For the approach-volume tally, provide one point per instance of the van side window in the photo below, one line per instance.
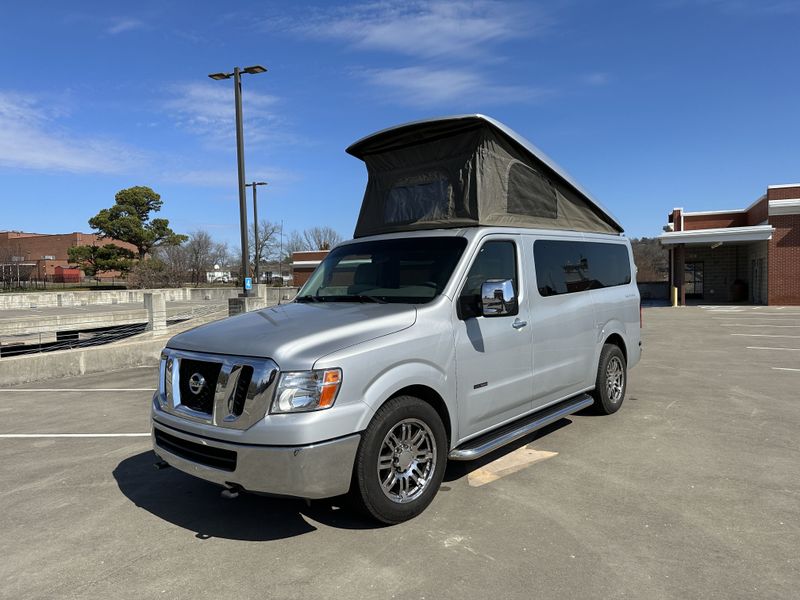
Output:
(565, 267)
(495, 260)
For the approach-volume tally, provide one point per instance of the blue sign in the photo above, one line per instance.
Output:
(248, 283)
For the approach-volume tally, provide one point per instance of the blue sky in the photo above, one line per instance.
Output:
(649, 105)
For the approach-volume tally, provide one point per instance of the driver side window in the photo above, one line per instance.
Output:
(495, 260)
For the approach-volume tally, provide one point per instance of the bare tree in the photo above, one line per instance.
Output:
(652, 259)
(174, 258)
(199, 250)
(268, 242)
(321, 238)
(293, 243)
(220, 253)
(152, 273)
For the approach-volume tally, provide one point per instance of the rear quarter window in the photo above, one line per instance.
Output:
(566, 267)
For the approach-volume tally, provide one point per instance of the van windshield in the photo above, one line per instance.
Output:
(412, 270)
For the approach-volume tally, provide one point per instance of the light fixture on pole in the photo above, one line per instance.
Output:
(256, 253)
(237, 92)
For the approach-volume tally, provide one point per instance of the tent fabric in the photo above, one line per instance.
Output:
(464, 172)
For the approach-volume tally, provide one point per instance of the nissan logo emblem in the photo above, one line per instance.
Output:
(196, 383)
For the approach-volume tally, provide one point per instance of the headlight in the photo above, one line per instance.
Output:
(301, 391)
(165, 396)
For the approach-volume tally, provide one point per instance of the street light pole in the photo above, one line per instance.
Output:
(256, 253)
(237, 86)
(237, 91)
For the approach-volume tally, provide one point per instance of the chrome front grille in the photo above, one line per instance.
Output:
(194, 395)
(216, 389)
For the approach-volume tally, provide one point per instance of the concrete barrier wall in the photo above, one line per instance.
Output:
(87, 297)
(140, 350)
(15, 370)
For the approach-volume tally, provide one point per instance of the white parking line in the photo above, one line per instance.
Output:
(765, 335)
(2, 391)
(754, 325)
(765, 348)
(772, 314)
(747, 319)
(70, 435)
(784, 369)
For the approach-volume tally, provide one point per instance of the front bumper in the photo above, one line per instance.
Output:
(320, 470)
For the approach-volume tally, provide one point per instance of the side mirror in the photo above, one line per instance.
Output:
(498, 298)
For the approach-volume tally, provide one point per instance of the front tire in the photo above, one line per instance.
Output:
(611, 382)
(400, 461)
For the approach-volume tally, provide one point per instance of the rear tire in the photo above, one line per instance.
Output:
(400, 461)
(611, 382)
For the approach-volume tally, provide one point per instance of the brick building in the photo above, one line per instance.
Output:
(41, 253)
(741, 255)
(304, 263)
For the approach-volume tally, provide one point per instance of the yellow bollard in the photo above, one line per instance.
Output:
(674, 293)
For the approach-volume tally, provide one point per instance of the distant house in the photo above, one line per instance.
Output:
(275, 273)
(218, 275)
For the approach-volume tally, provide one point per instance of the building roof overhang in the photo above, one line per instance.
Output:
(784, 207)
(753, 233)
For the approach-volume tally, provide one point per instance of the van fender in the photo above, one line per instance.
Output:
(402, 375)
(611, 327)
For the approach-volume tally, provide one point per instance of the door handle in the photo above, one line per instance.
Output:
(517, 324)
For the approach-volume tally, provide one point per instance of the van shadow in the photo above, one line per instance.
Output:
(591, 411)
(196, 505)
(458, 469)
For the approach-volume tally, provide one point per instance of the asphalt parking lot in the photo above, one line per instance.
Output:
(692, 490)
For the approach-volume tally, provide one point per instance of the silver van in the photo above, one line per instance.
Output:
(485, 295)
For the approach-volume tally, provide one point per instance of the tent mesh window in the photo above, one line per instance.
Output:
(422, 197)
(529, 193)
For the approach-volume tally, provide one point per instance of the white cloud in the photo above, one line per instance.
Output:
(123, 24)
(597, 79)
(453, 42)
(422, 87)
(742, 8)
(30, 138)
(227, 177)
(207, 109)
(428, 29)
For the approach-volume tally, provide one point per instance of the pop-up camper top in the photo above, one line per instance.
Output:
(467, 171)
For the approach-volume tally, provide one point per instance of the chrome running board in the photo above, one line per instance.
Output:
(488, 442)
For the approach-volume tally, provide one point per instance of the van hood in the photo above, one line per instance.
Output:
(296, 335)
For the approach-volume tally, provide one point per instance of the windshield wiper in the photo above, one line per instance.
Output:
(353, 298)
(375, 299)
(307, 299)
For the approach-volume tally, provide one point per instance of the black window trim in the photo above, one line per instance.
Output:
(497, 237)
(585, 241)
